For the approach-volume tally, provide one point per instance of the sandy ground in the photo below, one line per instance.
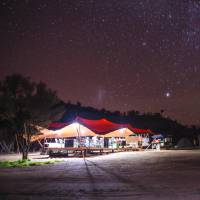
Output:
(127, 175)
(34, 156)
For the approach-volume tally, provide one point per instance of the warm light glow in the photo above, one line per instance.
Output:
(59, 133)
(121, 130)
(76, 125)
(82, 131)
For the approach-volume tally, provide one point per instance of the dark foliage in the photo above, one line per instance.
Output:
(25, 105)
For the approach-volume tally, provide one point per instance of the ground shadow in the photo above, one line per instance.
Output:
(130, 183)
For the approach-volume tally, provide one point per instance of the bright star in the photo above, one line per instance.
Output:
(167, 94)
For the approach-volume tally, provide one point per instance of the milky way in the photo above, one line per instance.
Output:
(120, 55)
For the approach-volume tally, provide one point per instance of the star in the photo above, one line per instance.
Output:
(144, 43)
(168, 94)
(120, 55)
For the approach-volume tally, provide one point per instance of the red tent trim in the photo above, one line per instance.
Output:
(58, 125)
(139, 130)
(99, 126)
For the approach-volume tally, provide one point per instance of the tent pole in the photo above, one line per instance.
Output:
(40, 143)
(77, 129)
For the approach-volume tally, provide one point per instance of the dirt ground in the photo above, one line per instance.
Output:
(127, 175)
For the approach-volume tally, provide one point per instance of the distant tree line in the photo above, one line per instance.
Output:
(157, 122)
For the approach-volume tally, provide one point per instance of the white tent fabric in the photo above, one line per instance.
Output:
(74, 130)
(123, 132)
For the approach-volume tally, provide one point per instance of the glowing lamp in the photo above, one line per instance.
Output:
(83, 131)
(121, 130)
(76, 125)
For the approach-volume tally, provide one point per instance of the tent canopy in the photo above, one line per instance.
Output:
(99, 126)
(123, 132)
(88, 127)
(74, 130)
(139, 130)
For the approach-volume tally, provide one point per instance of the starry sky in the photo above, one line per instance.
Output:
(116, 54)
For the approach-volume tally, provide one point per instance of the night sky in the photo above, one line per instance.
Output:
(117, 54)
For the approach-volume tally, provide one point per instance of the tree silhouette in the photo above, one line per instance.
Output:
(24, 105)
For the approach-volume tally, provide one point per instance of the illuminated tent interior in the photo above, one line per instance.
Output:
(123, 132)
(74, 130)
(42, 133)
(81, 127)
(99, 126)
